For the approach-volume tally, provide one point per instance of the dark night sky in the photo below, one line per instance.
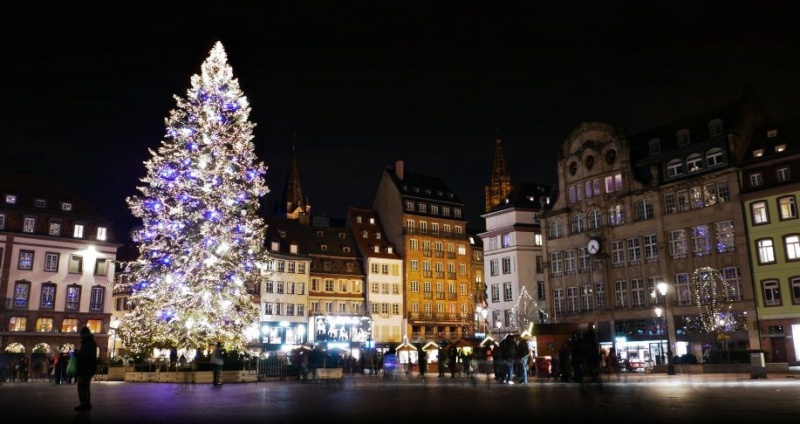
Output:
(85, 88)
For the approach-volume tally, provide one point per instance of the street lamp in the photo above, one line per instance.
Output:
(659, 311)
(114, 325)
(662, 288)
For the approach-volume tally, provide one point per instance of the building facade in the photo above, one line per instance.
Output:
(424, 220)
(661, 206)
(57, 262)
(770, 188)
(513, 249)
(337, 303)
(284, 295)
(384, 277)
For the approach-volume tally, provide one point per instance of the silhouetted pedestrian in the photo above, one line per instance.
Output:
(87, 367)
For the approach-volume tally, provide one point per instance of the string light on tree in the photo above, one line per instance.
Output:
(201, 236)
(712, 295)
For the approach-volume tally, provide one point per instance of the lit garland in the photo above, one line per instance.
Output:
(202, 234)
(712, 297)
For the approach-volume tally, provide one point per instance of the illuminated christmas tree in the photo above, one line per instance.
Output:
(202, 236)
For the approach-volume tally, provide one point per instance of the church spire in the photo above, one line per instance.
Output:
(500, 183)
(293, 200)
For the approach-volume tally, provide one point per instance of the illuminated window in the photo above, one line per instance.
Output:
(17, 323)
(102, 233)
(22, 290)
(78, 231)
(69, 325)
(25, 259)
(44, 325)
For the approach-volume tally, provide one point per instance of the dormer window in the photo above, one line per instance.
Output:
(655, 146)
(358, 219)
(319, 233)
(683, 137)
(11, 199)
(275, 246)
(439, 193)
(376, 249)
(102, 233)
(377, 236)
(293, 248)
(416, 189)
(428, 191)
(66, 206)
(323, 247)
(758, 153)
(772, 133)
(341, 235)
(40, 203)
(345, 248)
(780, 148)
(372, 221)
(389, 249)
(715, 127)
(364, 234)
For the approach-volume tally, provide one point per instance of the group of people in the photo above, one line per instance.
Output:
(310, 361)
(511, 357)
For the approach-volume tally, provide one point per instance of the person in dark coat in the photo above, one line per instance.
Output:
(423, 363)
(86, 358)
(508, 348)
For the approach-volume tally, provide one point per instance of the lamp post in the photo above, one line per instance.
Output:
(114, 325)
(662, 288)
(659, 311)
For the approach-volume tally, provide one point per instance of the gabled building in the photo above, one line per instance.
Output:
(284, 295)
(513, 248)
(337, 303)
(424, 220)
(57, 261)
(770, 191)
(384, 277)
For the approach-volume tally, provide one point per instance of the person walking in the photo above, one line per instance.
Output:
(217, 361)
(524, 354)
(86, 358)
(441, 360)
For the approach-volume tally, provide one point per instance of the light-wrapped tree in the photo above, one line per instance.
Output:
(202, 235)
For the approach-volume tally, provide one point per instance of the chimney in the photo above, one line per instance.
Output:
(398, 169)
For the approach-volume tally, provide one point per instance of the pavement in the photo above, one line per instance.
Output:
(355, 399)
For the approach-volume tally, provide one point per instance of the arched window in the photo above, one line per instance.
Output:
(714, 157)
(554, 229)
(594, 218)
(576, 223)
(674, 168)
(616, 215)
(694, 162)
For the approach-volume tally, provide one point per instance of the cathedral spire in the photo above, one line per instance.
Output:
(500, 183)
(293, 200)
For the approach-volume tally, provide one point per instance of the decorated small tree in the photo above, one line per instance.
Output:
(201, 236)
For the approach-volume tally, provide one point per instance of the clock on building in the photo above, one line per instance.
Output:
(593, 246)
